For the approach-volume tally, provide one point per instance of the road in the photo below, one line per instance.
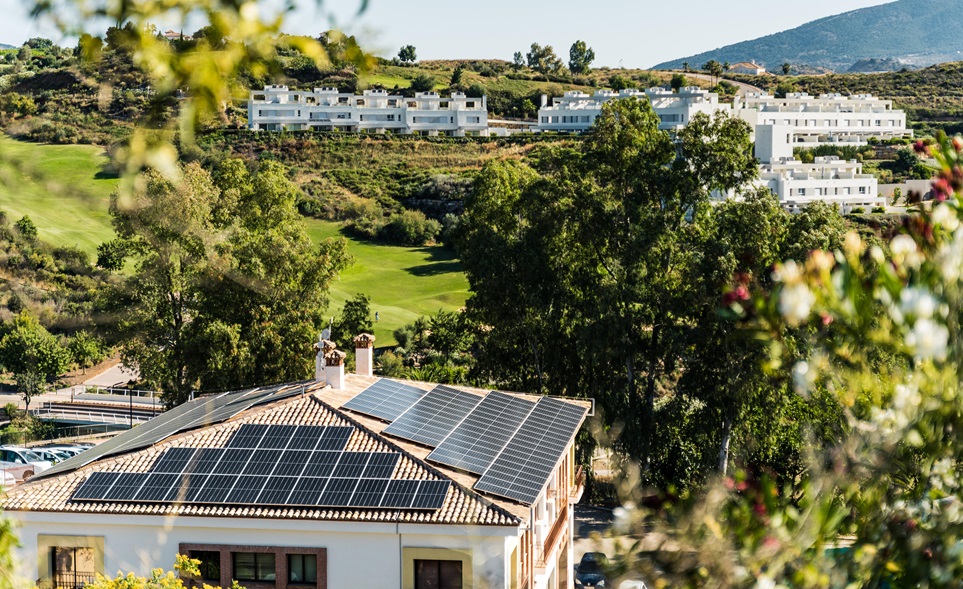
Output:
(743, 88)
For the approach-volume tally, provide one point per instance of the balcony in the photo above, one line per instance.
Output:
(558, 531)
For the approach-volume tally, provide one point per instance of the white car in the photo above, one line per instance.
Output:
(15, 473)
(24, 456)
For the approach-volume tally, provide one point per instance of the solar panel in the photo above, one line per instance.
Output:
(334, 438)
(96, 485)
(474, 444)
(381, 465)
(276, 491)
(263, 462)
(385, 399)
(246, 489)
(248, 436)
(215, 490)
(190, 415)
(307, 491)
(351, 464)
(126, 486)
(523, 467)
(399, 494)
(430, 420)
(157, 487)
(306, 437)
(320, 464)
(205, 460)
(369, 492)
(278, 436)
(291, 463)
(174, 460)
(431, 495)
(338, 493)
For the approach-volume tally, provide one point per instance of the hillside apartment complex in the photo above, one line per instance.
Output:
(345, 481)
(276, 108)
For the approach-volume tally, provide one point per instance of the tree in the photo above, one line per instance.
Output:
(678, 82)
(543, 59)
(456, 76)
(31, 353)
(407, 54)
(726, 67)
(786, 68)
(354, 319)
(619, 82)
(580, 57)
(26, 227)
(85, 349)
(518, 61)
(422, 83)
(111, 255)
(685, 66)
(713, 68)
(228, 290)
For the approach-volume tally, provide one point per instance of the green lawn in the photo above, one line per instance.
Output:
(402, 282)
(62, 188)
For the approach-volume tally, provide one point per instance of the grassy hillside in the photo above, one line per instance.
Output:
(921, 32)
(63, 188)
(403, 282)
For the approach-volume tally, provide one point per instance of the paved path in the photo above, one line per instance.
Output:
(116, 375)
(743, 87)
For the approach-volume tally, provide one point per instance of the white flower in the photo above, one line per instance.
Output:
(765, 582)
(917, 302)
(950, 256)
(905, 397)
(945, 215)
(795, 303)
(928, 339)
(905, 251)
(788, 273)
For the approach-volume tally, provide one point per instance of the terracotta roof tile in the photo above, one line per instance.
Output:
(461, 505)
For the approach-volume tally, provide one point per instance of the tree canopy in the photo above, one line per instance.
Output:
(228, 289)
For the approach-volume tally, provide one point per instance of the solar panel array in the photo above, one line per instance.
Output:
(385, 399)
(478, 439)
(305, 466)
(433, 417)
(190, 415)
(525, 464)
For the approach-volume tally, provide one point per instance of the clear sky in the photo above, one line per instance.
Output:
(632, 33)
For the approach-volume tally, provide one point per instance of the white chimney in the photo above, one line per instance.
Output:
(543, 100)
(334, 369)
(364, 354)
(323, 347)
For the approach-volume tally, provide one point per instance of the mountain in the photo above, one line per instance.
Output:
(916, 32)
(5, 46)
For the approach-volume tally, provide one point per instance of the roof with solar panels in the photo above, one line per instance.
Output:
(378, 449)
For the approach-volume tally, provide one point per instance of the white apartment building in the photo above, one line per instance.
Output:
(829, 119)
(575, 112)
(827, 179)
(277, 108)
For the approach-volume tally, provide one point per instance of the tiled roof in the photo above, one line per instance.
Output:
(461, 505)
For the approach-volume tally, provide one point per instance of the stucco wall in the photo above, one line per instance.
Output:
(358, 554)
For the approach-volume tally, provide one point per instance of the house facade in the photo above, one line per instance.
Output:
(346, 481)
(575, 112)
(277, 108)
(750, 68)
(830, 119)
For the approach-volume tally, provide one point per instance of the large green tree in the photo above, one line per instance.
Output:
(580, 57)
(228, 289)
(32, 354)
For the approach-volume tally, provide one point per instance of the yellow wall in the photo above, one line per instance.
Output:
(409, 555)
(46, 542)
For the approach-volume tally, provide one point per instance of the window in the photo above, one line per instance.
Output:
(210, 566)
(72, 567)
(303, 568)
(253, 566)
(438, 574)
(802, 192)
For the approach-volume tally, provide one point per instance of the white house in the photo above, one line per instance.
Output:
(575, 112)
(829, 119)
(747, 67)
(352, 482)
(828, 179)
(276, 108)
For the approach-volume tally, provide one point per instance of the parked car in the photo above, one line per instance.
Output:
(590, 571)
(14, 473)
(24, 456)
(48, 455)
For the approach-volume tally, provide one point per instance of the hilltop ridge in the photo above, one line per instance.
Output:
(916, 32)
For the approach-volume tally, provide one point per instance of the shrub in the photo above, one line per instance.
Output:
(879, 210)
(410, 228)
(857, 211)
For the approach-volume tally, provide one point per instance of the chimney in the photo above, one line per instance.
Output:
(323, 347)
(334, 369)
(364, 354)
(544, 100)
